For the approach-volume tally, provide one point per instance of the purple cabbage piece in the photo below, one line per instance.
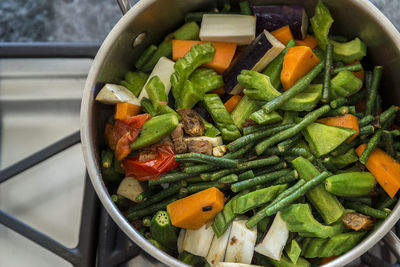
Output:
(271, 18)
(246, 61)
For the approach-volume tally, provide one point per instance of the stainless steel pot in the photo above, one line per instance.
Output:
(155, 18)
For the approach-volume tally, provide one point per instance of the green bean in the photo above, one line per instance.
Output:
(287, 179)
(172, 177)
(256, 218)
(340, 111)
(297, 88)
(327, 161)
(244, 166)
(259, 127)
(387, 114)
(366, 130)
(231, 178)
(246, 175)
(289, 143)
(378, 105)
(307, 120)
(321, 166)
(276, 167)
(250, 138)
(203, 158)
(144, 195)
(366, 120)
(352, 68)
(170, 191)
(194, 188)
(196, 169)
(134, 214)
(372, 144)
(388, 142)
(145, 56)
(327, 74)
(245, 8)
(240, 152)
(274, 208)
(193, 180)
(387, 203)
(371, 99)
(363, 200)
(198, 16)
(262, 179)
(107, 158)
(351, 100)
(294, 151)
(367, 210)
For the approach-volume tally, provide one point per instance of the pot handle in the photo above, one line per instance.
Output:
(393, 242)
(124, 5)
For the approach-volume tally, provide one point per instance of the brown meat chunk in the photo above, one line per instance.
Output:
(177, 139)
(199, 146)
(357, 221)
(192, 122)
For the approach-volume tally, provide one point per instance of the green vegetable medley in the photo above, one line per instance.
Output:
(270, 147)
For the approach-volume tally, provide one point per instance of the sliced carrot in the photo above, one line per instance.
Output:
(328, 259)
(220, 91)
(309, 41)
(385, 169)
(232, 102)
(224, 53)
(358, 74)
(125, 110)
(284, 34)
(196, 210)
(345, 121)
(298, 61)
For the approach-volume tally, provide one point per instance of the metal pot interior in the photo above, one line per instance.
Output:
(157, 18)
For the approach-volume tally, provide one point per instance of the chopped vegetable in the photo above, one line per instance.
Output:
(261, 117)
(161, 161)
(273, 243)
(112, 94)
(274, 69)
(272, 17)
(221, 117)
(350, 51)
(201, 158)
(124, 110)
(300, 220)
(346, 121)
(309, 41)
(350, 184)
(241, 243)
(239, 29)
(326, 204)
(163, 69)
(224, 53)
(155, 129)
(293, 250)
(285, 262)
(198, 54)
(373, 90)
(181, 238)
(243, 110)
(135, 81)
(162, 231)
(321, 23)
(198, 241)
(232, 103)
(345, 84)
(323, 139)
(130, 188)
(188, 31)
(284, 35)
(218, 248)
(298, 61)
(256, 57)
(187, 212)
(384, 168)
(214, 141)
(344, 160)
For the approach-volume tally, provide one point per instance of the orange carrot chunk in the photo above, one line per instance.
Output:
(298, 61)
(224, 53)
(232, 102)
(309, 41)
(385, 169)
(125, 110)
(345, 121)
(194, 211)
(358, 74)
(284, 35)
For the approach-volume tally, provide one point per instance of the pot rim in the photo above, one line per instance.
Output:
(92, 164)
